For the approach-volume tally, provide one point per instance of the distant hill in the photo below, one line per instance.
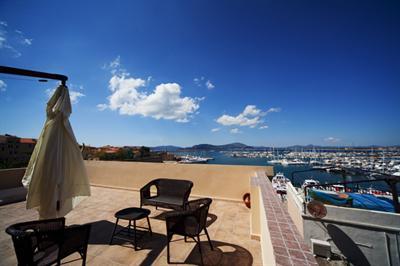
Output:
(240, 146)
(169, 148)
(231, 146)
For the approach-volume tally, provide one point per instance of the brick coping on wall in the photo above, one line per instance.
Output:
(288, 246)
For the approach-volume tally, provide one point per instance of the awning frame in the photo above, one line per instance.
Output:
(32, 73)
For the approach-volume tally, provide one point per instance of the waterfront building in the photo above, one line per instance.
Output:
(15, 151)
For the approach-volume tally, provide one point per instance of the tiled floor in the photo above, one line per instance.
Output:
(288, 246)
(229, 229)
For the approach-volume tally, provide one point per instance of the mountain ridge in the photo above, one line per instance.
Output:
(241, 146)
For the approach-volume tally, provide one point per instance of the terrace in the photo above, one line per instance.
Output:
(262, 235)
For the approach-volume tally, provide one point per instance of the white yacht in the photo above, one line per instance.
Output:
(193, 159)
(308, 182)
(292, 162)
(279, 182)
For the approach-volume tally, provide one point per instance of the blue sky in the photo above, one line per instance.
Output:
(273, 73)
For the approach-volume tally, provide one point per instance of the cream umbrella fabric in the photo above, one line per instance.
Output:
(56, 175)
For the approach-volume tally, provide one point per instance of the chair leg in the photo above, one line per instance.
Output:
(134, 233)
(208, 237)
(168, 255)
(115, 228)
(148, 222)
(84, 257)
(201, 253)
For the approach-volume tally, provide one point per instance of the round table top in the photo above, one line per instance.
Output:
(132, 213)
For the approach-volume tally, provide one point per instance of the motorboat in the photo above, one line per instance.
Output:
(310, 182)
(193, 159)
(279, 182)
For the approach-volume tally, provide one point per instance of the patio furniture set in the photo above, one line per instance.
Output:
(47, 242)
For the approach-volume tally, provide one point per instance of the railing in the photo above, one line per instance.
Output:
(390, 180)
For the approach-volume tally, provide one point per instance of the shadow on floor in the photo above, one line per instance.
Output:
(101, 234)
(223, 254)
(211, 218)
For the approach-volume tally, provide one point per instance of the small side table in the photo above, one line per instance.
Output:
(130, 214)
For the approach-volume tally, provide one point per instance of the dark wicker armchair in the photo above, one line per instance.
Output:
(171, 193)
(46, 242)
(189, 223)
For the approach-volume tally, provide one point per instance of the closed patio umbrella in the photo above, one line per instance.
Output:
(56, 175)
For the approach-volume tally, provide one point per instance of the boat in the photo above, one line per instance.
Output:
(193, 159)
(320, 167)
(354, 200)
(284, 162)
(295, 162)
(310, 182)
(274, 161)
(279, 182)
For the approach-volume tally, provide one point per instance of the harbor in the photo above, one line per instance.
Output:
(323, 174)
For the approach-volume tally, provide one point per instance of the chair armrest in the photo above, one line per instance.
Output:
(186, 196)
(145, 191)
(195, 204)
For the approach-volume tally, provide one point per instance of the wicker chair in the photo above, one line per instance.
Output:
(46, 242)
(189, 223)
(171, 193)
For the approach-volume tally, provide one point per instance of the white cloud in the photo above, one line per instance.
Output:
(164, 102)
(240, 120)
(3, 85)
(263, 127)
(12, 40)
(209, 85)
(116, 63)
(251, 110)
(73, 95)
(273, 110)
(102, 106)
(27, 41)
(3, 40)
(251, 117)
(235, 131)
(215, 129)
(22, 39)
(332, 140)
(116, 69)
(200, 82)
(3, 36)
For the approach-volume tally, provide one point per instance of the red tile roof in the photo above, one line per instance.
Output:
(29, 141)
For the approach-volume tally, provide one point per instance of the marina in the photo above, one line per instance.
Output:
(375, 161)
(323, 172)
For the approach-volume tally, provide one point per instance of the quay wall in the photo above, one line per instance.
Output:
(364, 237)
(295, 206)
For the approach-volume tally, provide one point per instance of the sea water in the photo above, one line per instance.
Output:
(289, 171)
